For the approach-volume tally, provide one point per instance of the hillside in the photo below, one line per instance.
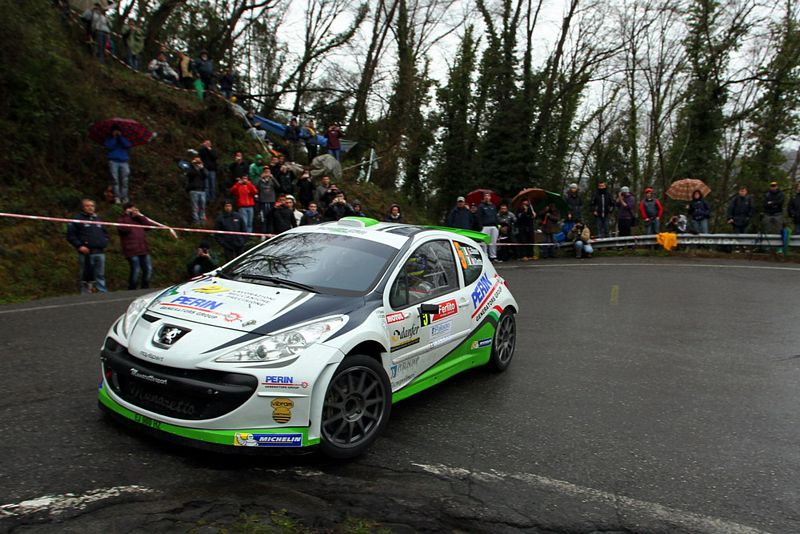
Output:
(51, 90)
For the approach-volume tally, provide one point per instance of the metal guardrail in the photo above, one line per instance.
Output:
(716, 240)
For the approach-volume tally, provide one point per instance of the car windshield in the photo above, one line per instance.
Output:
(320, 262)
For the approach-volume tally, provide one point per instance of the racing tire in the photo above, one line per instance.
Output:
(504, 343)
(357, 405)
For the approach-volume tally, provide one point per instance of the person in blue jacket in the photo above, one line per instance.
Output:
(117, 148)
(460, 217)
(699, 213)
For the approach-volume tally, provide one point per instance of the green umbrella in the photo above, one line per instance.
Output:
(552, 198)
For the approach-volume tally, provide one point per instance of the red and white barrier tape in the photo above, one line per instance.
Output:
(148, 227)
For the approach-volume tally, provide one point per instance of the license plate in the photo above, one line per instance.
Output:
(143, 419)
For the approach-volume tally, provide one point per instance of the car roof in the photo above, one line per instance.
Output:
(395, 235)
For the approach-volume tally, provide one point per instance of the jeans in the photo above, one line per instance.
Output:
(102, 42)
(247, 218)
(120, 171)
(581, 248)
(92, 268)
(652, 227)
(133, 61)
(700, 227)
(550, 250)
(198, 199)
(264, 214)
(493, 233)
(140, 265)
(211, 185)
(335, 152)
(602, 226)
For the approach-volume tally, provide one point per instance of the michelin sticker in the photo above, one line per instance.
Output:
(243, 439)
(480, 343)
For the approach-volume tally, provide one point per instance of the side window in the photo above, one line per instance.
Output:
(430, 271)
(471, 262)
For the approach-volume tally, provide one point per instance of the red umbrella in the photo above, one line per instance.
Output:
(476, 197)
(683, 189)
(132, 130)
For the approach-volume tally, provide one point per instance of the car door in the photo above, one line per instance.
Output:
(422, 310)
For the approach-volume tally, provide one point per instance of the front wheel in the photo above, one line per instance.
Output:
(357, 406)
(505, 340)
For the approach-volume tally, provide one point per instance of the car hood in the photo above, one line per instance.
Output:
(227, 303)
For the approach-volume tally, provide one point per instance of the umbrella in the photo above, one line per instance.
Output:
(683, 189)
(531, 194)
(132, 130)
(476, 197)
(552, 198)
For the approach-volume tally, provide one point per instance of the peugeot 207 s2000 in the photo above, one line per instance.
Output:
(308, 338)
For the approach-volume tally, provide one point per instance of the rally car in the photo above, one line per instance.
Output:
(309, 338)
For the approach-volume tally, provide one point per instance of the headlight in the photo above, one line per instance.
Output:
(285, 344)
(132, 314)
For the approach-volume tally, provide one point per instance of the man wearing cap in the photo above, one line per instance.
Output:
(626, 205)
(459, 216)
(740, 211)
(602, 206)
(651, 212)
(773, 210)
(574, 202)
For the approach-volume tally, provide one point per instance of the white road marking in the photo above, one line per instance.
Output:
(56, 306)
(55, 505)
(647, 264)
(689, 521)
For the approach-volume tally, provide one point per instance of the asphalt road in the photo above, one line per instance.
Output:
(645, 396)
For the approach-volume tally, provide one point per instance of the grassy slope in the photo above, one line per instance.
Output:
(50, 92)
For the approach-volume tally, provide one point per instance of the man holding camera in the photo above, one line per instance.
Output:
(134, 245)
(244, 193)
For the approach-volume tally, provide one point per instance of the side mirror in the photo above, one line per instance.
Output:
(428, 309)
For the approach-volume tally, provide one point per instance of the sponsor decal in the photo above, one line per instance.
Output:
(488, 303)
(396, 317)
(283, 382)
(483, 297)
(282, 410)
(195, 302)
(404, 332)
(446, 309)
(251, 299)
(151, 356)
(244, 439)
(481, 290)
(404, 344)
(202, 308)
(441, 329)
(148, 378)
(405, 365)
(210, 290)
(480, 343)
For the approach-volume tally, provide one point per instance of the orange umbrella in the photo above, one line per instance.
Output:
(683, 189)
(531, 194)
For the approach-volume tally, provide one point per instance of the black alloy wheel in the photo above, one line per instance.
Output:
(505, 340)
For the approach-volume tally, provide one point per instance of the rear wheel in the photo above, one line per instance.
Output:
(357, 406)
(505, 341)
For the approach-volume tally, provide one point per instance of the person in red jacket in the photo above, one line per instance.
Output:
(244, 194)
(334, 135)
(134, 245)
(651, 212)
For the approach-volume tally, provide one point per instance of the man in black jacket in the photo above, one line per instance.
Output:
(209, 156)
(230, 221)
(740, 211)
(460, 216)
(602, 206)
(773, 210)
(196, 187)
(90, 240)
(240, 167)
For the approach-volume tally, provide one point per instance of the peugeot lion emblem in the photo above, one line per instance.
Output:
(168, 335)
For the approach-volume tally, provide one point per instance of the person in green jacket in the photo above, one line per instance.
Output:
(133, 36)
(254, 173)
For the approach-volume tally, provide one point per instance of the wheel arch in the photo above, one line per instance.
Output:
(371, 348)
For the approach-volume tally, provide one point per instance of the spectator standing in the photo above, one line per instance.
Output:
(134, 245)
(394, 215)
(626, 216)
(283, 216)
(311, 216)
(226, 84)
(334, 135)
(476, 218)
(230, 221)
(602, 206)
(238, 168)
(90, 240)
(459, 216)
(321, 192)
(506, 217)
(244, 194)
(507, 230)
(575, 203)
(794, 210)
(254, 171)
(773, 210)
(160, 70)
(209, 156)
(185, 71)
(580, 236)
(285, 177)
(253, 126)
(526, 224)
(117, 148)
(196, 187)
(133, 36)
(338, 206)
(305, 188)
(291, 203)
(100, 28)
(203, 69)
(699, 213)
(357, 209)
(740, 211)
(551, 225)
(309, 135)
(204, 260)
(267, 188)
(487, 214)
(651, 212)
(292, 135)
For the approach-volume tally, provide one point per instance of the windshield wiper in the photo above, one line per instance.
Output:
(279, 281)
(222, 274)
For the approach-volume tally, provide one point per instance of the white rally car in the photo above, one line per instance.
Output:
(308, 338)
